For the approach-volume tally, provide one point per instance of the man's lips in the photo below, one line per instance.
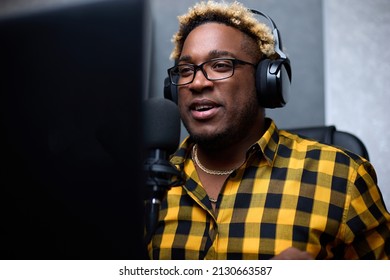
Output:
(204, 109)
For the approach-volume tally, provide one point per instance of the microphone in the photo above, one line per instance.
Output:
(162, 124)
(162, 136)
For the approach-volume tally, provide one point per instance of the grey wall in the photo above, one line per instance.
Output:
(357, 76)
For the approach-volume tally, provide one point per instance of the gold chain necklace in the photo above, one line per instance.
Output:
(205, 169)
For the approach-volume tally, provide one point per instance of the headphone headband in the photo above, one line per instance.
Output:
(275, 33)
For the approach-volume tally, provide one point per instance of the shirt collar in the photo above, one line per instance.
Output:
(269, 141)
(268, 144)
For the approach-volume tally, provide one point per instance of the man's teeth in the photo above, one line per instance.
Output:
(203, 107)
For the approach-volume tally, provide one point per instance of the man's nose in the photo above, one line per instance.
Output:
(200, 79)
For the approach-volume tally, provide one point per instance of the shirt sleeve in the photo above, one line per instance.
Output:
(367, 221)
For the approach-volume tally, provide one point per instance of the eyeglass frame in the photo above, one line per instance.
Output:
(235, 61)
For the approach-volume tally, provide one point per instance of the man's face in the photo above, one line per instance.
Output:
(219, 113)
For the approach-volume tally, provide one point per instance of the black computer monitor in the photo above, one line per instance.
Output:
(72, 79)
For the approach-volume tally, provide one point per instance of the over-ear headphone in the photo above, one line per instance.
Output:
(273, 76)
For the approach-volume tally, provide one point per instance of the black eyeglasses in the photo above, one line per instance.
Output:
(214, 70)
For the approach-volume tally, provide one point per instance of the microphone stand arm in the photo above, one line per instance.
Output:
(161, 176)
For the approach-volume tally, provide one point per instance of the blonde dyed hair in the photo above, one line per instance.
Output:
(233, 14)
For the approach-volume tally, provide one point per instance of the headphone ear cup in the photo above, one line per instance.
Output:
(273, 78)
(170, 91)
(261, 83)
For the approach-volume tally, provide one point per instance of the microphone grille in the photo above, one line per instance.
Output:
(161, 124)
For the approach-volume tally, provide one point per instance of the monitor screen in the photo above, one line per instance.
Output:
(71, 85)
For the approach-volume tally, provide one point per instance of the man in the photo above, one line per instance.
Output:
(252, 191)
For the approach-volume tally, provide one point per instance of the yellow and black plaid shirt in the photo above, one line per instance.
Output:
(290, 192)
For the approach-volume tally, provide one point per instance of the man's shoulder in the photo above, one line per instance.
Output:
(310, 146)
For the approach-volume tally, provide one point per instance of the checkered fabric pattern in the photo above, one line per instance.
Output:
(290, 192)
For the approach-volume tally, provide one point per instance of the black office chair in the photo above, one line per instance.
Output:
(329, 135)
